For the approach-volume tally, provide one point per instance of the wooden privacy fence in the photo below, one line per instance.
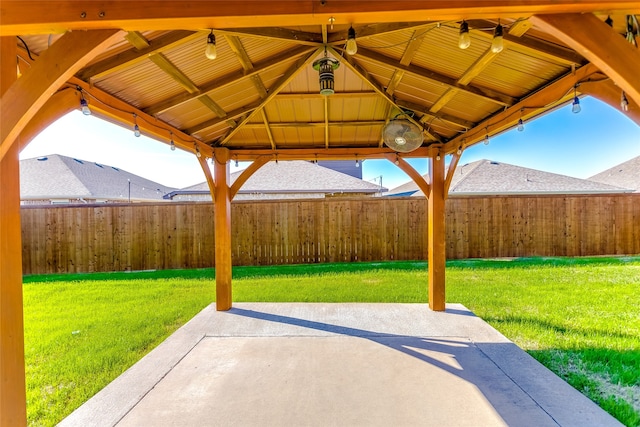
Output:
(93, 238)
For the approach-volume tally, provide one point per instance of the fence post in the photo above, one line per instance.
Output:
(436, 237)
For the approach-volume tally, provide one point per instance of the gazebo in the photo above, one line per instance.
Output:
(288, 80)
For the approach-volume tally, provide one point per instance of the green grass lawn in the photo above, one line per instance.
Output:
(580, 317)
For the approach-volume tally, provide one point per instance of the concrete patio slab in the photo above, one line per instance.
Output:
(268, 364)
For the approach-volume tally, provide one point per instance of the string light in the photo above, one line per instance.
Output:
(198, 154)
(84, 105)
(236, 161)
(211, 52)
(575, 107)
(520, 122)
(397, 162)
(459, 151)
(171, 143)
(438, 156)
(357, 163)
(352, 46)
(624, 102)
(497, 44)
(486, 136)
(136, 128)
(465, 40)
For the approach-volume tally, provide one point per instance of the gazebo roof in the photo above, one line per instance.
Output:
(260, 95)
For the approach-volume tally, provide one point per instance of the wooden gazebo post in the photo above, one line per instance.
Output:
(222, 218)
(436, 234)
(13, 411)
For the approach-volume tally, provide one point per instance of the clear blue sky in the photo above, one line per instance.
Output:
(578, 145)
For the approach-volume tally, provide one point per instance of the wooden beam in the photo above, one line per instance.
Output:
(222, 226)
(607, 92)
(540, 101)
(484, 93)
(366, 31)
(602, 46)
(267, 127)
(320, 153)
(520, 27)
(236, 46)
(337, 95)
(422, 184)
(436, 235)
(55, 16)
(248, 172)
(364, 75)
(28, 94)
(472, 72)
(174, 72)
(407, 57)
(455, 158)
(273, 91)
(212, 105)
(282, 34)
(13, 406)
(227, 80)
(421, 109)
(137, 40)
(134, 56)
(316, 124)
(112, 108)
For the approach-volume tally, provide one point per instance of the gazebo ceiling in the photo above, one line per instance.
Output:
(261, 92)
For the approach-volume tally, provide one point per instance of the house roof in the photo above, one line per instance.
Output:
(61, 177)
(297, 176)
(489, 177)
(260, 95)
(625, 175)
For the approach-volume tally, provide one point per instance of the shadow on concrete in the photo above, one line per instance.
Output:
(459, 357)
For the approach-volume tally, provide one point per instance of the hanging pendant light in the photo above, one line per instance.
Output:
(352, 46)
(211, 52)
(497, 44)
(465, 39)
(325, 67)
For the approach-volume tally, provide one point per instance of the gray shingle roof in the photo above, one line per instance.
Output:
(489, 177)
(626, 175)
(60, 177)
(298, 177)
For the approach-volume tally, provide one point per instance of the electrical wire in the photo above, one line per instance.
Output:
(26, 47)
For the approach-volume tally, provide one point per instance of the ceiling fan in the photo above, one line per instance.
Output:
(402, 135)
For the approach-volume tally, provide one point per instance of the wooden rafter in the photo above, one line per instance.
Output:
(267, 127)
(299, 37)
(453, 120)
(134, 56)
(236, 46)
(485, 93)
(174, 72)
(364, 75)
(137, 40)
(227, 80)
(273, 91)
(337, 95)
(281, 125)
(476, 68)
(409, 52)
(552, 95)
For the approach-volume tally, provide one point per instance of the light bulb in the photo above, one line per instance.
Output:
(575, 107)
(624, 102)
(172, 145)
(357, 163)
(352, 46)
(236, 162)
(136, 130)
(211, 51)
(438, 157)
(84, 106)
(459, 151)
(465, 39)
(520, 125)
(486, 140)
(198, 155)
(497, 44)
